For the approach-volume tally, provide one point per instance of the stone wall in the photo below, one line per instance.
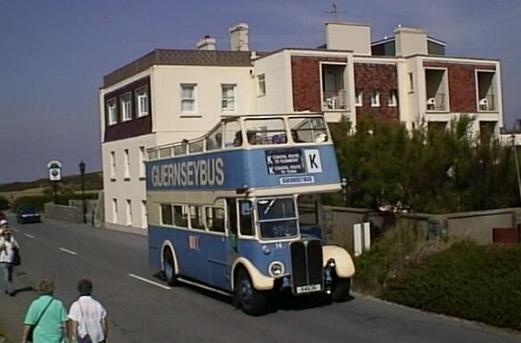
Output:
(477, 226)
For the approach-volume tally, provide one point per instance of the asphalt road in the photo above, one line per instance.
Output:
(142, 309)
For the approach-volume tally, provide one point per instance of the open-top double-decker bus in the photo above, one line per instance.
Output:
(238, 210)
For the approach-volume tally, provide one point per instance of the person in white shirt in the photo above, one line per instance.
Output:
(7, 246)
(88, 318)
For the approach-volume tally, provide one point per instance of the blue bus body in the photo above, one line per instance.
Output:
(227, 216)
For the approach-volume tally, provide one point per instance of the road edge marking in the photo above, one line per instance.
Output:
(68, 251)
(157, 284)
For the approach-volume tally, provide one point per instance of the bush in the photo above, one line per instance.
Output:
(4, 203)
(390, 255)
(467, 281)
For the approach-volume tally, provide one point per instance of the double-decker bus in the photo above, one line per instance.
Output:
(238, 210)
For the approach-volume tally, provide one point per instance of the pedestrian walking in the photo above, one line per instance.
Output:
(88, 318)
(46, 317)
(8, 245)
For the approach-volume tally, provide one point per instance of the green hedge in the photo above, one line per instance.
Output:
(467, 281)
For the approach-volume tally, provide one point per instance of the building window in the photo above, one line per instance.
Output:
(127, 164)
(141, 161)
(228, 97)
(261, 85)
(112, 111)
(359, 100)
(115, 210)
(188, 98)
(113, 165)
(486, 87)
(393, 98)
(129, 212)
(411, 82)
(144, 214)
(375, 98)
(142, 101)
(126, 106)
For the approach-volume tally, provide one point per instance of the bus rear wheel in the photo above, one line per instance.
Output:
(252, 301)
(340, 289)
(169, 271)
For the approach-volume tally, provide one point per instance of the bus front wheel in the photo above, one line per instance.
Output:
(252, 301)
(340, 289)
(169, 271)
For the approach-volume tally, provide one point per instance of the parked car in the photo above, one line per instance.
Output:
(27, 214)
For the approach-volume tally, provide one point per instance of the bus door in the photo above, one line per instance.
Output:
(197, 244)
(216, 247)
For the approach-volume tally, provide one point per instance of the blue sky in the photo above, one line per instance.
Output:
(53, 55)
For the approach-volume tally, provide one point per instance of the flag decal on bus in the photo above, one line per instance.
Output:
(193, 242)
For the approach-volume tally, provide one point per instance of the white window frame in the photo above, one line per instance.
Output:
(142, 168)
(114, 210)
(126, 106)
(192, 100)
(113, 165)
(392, 101)
(261, 85)
(375, 98)
(225, 99)
(112, 111)
(144, 213)
(359, 97)
(126, 155)
(129, 212)
(142, 101)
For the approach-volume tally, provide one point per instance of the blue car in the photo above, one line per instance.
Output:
(27, 214)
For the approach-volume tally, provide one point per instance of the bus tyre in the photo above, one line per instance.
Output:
(169, 271)
(252, 301)
(340, 289)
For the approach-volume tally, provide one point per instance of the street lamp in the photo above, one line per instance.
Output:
(82, 173)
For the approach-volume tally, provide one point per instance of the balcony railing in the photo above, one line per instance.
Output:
(436, 103)
(335, 100)
(487, 103)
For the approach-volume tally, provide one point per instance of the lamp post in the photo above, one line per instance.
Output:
(82, 174)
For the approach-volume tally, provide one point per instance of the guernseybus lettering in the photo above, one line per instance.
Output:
(206, 172)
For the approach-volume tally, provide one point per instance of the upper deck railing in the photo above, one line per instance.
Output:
(251, 131)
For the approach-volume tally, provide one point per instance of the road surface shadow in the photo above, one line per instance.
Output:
(278, 301)
(23, 289)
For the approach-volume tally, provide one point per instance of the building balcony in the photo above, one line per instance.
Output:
(437, 103)
(335, 100)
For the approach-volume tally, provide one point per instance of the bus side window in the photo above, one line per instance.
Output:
(232, 216)
(246, 217)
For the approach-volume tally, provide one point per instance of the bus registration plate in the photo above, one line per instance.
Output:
(309, 288)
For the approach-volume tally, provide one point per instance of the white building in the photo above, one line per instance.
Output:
(170, 95)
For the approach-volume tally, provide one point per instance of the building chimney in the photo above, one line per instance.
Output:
(410, 41)
(239, 37)
(349, 36)
(206, 43)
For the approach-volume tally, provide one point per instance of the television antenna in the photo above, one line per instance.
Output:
(334, 12)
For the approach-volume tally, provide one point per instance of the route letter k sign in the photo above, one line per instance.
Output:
(313, 163)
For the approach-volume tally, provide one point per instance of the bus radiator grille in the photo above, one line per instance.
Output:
(306, 263)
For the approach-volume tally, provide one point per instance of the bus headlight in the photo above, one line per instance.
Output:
(276, 269)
